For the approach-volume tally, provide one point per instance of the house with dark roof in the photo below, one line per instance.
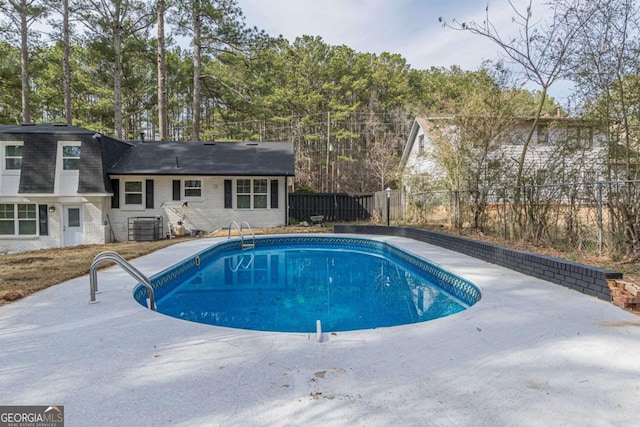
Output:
(63, 186)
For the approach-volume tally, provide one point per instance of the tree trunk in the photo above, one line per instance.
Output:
(66, 73)
(24, 51)
(197, 71)
(162, 75)
(527, 142)
(117, 72)
(517, 197)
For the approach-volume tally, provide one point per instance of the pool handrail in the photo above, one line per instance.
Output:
(243, 245)
(126, 266)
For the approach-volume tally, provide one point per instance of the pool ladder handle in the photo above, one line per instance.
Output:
(239, 228)
(126, 266)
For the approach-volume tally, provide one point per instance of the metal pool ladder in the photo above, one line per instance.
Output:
(118, 259)
(239, 228)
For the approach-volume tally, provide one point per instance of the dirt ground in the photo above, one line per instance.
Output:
(28, 272)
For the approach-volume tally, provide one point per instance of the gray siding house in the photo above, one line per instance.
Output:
(420, 162)
(63, 186)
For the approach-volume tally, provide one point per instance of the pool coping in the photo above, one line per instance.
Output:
(528, 353)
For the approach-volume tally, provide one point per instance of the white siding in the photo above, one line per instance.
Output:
(539, 156)
(421, 161)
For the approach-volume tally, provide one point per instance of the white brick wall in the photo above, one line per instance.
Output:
(93, 226)
(94, 222)
(207, 213)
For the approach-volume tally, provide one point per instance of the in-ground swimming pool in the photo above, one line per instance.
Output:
(288, 283)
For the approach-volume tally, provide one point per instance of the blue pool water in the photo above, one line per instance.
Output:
(288, 283)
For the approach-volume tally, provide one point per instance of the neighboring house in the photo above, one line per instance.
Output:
(63, 186)
(421, 167)
(419, 164)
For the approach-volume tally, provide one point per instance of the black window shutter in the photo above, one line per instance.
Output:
(274, 194)
(228, 199)
(43, 218)
(115, 199)
(149, 194)
(176, 189)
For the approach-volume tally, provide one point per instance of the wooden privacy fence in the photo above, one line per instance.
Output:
(333, 206)
(389, 207)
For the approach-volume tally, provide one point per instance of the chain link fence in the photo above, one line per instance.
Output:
(596, 217)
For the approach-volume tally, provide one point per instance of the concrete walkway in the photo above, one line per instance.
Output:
(530, 353)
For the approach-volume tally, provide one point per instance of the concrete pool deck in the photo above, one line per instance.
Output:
(530, 353)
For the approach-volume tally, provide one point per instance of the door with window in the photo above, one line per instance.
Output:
(72, 225)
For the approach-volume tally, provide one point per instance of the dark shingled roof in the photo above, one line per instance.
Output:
(32, 128)
(40, 150)
(103, 156)
(207, 158)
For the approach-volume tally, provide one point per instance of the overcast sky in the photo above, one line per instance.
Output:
(407, 27)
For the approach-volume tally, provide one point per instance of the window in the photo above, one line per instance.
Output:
(73, 217)
(260, 193)
(192, 188)
(543, 134)
(252, 194)
(585, 136)
(515, 138)
(7, 219)
(581, 136)
(19, 219)
(421, 145)
(133, 193)
(71, 157)
(243, 193)
(13, 157)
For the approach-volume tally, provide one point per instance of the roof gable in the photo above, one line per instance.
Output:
(418, 123)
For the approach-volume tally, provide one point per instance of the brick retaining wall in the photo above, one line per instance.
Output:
(583, 278)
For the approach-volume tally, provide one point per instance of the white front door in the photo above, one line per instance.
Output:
(72, 225)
